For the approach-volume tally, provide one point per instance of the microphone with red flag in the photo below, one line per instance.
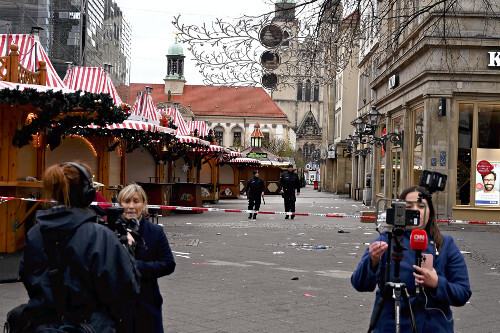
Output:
(418, 243)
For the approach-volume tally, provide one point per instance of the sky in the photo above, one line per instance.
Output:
(153, 32)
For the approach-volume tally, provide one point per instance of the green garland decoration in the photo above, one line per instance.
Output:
(52, 104)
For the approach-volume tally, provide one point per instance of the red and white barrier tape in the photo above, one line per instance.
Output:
(247, 211)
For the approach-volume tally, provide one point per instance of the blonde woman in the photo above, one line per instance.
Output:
(154, 259)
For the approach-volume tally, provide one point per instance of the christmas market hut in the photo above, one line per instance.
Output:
(36, 112)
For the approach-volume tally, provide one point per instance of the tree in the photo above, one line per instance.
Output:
(229, 52)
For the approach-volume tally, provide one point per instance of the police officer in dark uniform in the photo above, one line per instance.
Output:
(289, 182)
(254, 190)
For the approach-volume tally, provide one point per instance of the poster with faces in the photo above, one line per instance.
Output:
(488, 188)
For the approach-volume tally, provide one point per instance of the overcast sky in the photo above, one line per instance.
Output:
(153, 32)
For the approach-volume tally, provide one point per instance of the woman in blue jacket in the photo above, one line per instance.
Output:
(154, 259)
(445, 285)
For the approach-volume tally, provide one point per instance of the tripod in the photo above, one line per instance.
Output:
(394, 289)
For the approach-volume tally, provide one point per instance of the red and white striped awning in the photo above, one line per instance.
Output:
(191, 139)
(14, 86)
(30, 53)
(201, 126)
(137, 125)
(234, 154)
(242, 160)
(178, 120)
(91, 79)
(217, 148)
(145, 109)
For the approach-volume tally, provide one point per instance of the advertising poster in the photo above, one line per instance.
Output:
(487, 183)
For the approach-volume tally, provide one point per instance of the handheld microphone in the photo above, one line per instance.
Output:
(418, 243)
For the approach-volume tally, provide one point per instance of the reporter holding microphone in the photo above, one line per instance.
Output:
(444, 283)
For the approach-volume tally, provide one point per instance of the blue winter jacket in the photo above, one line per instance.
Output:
(99, 277)
(154, 260)
(432, 313)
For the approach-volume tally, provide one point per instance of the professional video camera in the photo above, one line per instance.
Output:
(118, 224)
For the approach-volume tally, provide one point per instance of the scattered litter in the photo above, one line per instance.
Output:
(357, 247)
(361, 305)
(465, 252)
(218, 233)
(366, 243)
(493, 267)
(188, 222)
(295, 278)
(293, 244)
(279, 252)
(199, 263)
(341, 231)
(321, 247)
(300, 234)
(340, 262)
(161, 224)
(459, 238)
(309, 295)
(353, 253)
(368, 233)
(245, 234)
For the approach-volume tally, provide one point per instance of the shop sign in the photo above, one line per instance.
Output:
(393, 81)
(494, 59)
(257, 155)
(331, 154)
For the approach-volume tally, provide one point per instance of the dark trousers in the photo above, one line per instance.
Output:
(254, 203)
(289, 197)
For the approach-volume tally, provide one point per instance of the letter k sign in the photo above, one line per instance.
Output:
(494, 59)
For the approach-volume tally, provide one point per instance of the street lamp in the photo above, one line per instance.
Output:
(373, 121)
(374, 117)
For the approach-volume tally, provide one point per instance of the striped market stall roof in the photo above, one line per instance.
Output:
(18, 86)
(191, 139)
(201, 126)
(139, 126)
(145, 109)
(91, 79)
(242, 160)
(217, 148)
(182, 128)
(30, 52)
(234, 154)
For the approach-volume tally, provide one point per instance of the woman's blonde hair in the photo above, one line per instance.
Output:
(128, 192)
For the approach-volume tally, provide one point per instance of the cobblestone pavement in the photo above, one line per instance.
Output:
(277, 275)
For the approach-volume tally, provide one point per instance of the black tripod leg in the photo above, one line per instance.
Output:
(396, 294)
(406, 297)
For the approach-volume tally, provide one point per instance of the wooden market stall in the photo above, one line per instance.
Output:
(36, 110)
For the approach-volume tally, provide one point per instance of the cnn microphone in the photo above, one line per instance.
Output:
(418, 243)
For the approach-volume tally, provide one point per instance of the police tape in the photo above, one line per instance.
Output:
(249, 211)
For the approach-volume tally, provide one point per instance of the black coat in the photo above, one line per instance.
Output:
(154, 260)
(99, 279)
(255, 187)
(289, 181)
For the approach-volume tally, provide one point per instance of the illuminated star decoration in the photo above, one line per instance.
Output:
(185, 168)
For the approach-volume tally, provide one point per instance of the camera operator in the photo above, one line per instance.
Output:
(154, 260)
(445, 284)
(76, 271)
